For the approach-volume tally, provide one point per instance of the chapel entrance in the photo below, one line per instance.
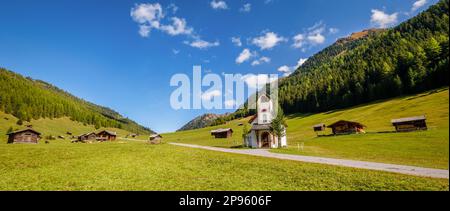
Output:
(265, 140)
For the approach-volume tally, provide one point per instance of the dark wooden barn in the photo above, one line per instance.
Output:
(155, 139)
(319, 127)
(87, 137)
(222, 133)
(106, 136)
(28, 136)
(347, 127)
(410, 124)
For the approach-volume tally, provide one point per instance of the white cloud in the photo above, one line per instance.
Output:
(236, 41)
(219, 5)
(151, 16)
(210, 95)
(246, 8)
(177, 27)
(261, 60)
(202, 44)
(147, 13)
(144, 30)
(333, 30)
(418, 4)
(175, 51)
(316, 39)
(382, 19)
(312, 36)
(301, 61)
(148, 16)
(299, 41)
(268, 41)
(288, 70)
(257, 81)
(244, 56)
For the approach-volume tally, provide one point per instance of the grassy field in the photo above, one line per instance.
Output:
(426, 149)
(139, 166)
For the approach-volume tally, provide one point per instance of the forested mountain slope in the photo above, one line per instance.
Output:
(409, 58)
(29, 99)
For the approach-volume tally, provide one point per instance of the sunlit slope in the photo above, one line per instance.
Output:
(427, 148)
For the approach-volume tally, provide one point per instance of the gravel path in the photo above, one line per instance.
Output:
(401, 169)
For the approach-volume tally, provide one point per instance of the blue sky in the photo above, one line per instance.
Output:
(135, 47)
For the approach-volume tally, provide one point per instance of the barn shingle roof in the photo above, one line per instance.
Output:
(24, 130)
(221, 130)
(409, 119)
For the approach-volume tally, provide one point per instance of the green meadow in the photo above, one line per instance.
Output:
(425, 148)
(133, 165)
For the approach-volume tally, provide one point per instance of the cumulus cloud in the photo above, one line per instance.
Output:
(268, 41)
(202, 44)
(144, 30)
(236, 41)
(244, 56)
(261, 61)
(333, 30)
(246, 8)
(382, 19)
(148, 16)
(152, 17)
(147, 13)
(219, 5)
(316, 38)
(288, 70)
(177, 27)
(418, 4)
(312, 36)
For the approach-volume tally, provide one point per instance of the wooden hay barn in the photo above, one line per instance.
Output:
(410, 124)
(106, 136)
(155, 139)
(343, 127)
(319, 127)
(28, 136)
(87, 137)
(222, 133)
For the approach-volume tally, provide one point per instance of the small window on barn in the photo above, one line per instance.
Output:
(27, 134)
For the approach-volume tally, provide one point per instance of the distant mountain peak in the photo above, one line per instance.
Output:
(202, 121)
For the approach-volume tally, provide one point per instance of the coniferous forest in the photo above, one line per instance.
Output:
(409, 58)
(28, 99)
